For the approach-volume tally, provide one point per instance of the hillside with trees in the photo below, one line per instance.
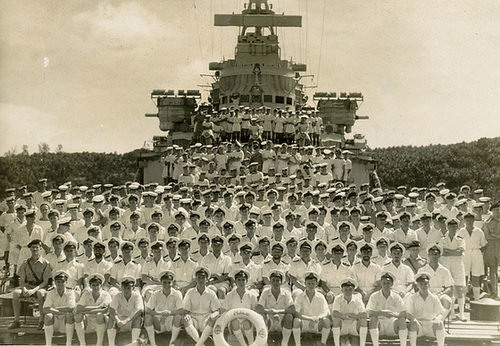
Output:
(476, 164)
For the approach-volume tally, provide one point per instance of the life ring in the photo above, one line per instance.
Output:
(254, 318)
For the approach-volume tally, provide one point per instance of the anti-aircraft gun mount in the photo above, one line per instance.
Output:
(338, 111)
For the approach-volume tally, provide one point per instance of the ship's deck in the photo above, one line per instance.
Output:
(459, 333)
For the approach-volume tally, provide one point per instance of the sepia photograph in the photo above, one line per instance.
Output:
(249, 172)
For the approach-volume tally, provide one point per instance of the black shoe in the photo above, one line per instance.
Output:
(40, 325)
(15, 325)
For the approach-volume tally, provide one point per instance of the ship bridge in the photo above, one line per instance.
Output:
(257, 76)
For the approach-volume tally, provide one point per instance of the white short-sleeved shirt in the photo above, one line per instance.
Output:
(201, 304)
(54, 300)
(124, 307)
(269, 265)
(378, 302)
(159, 302)
(439, 278)
(252, 268)
(184, 270)
(220, 265)
(75, 270)
(354, 306)
(233, 300)
(366, 277)
(433, 237)
(332, 275)
(153, 269)
(315, 307)
(449, 213)
(424, 309)
(120, 269)
(298, 269)
(474, 241)
(268, 301)
(400, 236)
(87, 299)
(403, 273)
(103, 267)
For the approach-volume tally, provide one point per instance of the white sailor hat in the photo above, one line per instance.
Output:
(348, 282)
(204, 270)
(167, 273)
(388, 275)
(311, 274)
(96, 276)
(126, 280)
(60, 273)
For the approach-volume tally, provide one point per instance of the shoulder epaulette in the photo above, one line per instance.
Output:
(195, 252)
(118, 260)
(296, 260)
(176, 259)
(267, 261)
(92, 259)
(386, 264)
(459, 237)
(237, 262)
(62, 261)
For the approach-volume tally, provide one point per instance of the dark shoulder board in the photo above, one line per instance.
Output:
(268, 261)
(296, 259)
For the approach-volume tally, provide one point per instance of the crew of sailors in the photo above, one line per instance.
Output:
(308, 255)
(245, 124)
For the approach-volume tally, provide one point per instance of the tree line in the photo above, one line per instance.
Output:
(476, 164)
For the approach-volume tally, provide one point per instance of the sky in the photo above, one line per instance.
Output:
(80, 73)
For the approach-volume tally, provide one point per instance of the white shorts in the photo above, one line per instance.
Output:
(349, 327)
(387, 326)
(273, 322)
(60, 324)
(456, 266)
(474, 263)
(310, 327)
(91, 323)
(425, 328)
(127, 327)
(200, 321)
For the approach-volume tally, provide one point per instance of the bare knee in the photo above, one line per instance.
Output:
(235, 325)
(49, 319)
(69, 318)
(246, 325)
(288, 321)
(78, 318)
(100, 318)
